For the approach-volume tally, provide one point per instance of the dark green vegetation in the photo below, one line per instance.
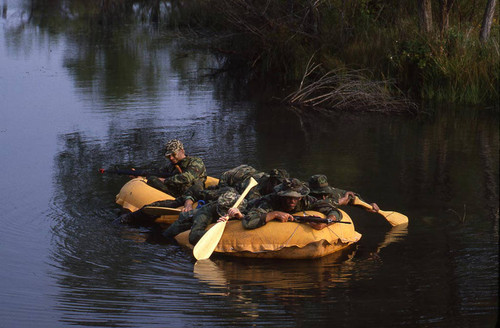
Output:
(348, 55)
(353, 54)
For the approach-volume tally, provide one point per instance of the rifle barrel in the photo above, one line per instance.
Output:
(317, 219)
(135, 173)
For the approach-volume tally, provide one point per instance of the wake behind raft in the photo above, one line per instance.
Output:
(288, 240)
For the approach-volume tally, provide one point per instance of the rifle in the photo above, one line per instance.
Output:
(316, 219)
(135, 173)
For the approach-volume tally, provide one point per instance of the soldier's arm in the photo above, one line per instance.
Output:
(194, 171)
(337, 195)
(157, 183)
(325, 207)
(255, 218)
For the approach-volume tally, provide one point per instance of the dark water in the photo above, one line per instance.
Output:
(71, 104)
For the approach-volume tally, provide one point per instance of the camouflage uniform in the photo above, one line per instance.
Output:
(235, 176)
(256, 216)
(183, 223)
(238, 178)
(192, 173)
(318, 185)
(234, 180)
(204, 216)
(185, 220)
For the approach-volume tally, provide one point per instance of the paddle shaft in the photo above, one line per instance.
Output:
(159, 210)
(206, 245)
(357, 201)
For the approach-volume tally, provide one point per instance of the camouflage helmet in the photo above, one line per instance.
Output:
(172, 146)
(318, 184)
(291, 188)
(227, 200)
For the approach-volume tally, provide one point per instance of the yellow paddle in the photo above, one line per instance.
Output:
(394, 218)
(206, 245)
(159, 210)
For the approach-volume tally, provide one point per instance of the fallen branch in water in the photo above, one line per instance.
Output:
(347, 91)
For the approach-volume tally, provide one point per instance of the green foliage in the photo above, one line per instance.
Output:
(274, 40)
(454, 68)
(377, 36)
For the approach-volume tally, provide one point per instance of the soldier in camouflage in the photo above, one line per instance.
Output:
(238, 178)
(318, 184)
(185, 171)
(289, 197)
(234, 180)
(207, 215)
(187, 176)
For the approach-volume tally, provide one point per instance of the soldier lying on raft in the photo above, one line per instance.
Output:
(276, 197)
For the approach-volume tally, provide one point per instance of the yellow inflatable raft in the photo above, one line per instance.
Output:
(288, 240)
(285, 240)
(136, 193)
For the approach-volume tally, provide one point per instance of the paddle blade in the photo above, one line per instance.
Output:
(206, 245)
(159, 210)
(394, 218)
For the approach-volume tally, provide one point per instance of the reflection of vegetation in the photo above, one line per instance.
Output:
(274, 41)
(108, 47)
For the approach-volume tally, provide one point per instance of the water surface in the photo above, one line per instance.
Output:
(72, 103)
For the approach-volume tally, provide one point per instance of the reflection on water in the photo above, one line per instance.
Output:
(287, 274)
(249, 282)
(209, 272)
(79, 99)
(395, 235)
(331, 271)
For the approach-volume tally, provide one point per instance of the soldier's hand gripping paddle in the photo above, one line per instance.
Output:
(206, 245)
(394, 218)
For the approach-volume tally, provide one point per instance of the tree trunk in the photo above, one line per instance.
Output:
(445, 7)
(487, 20)
(155, 12)
(425, 15)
